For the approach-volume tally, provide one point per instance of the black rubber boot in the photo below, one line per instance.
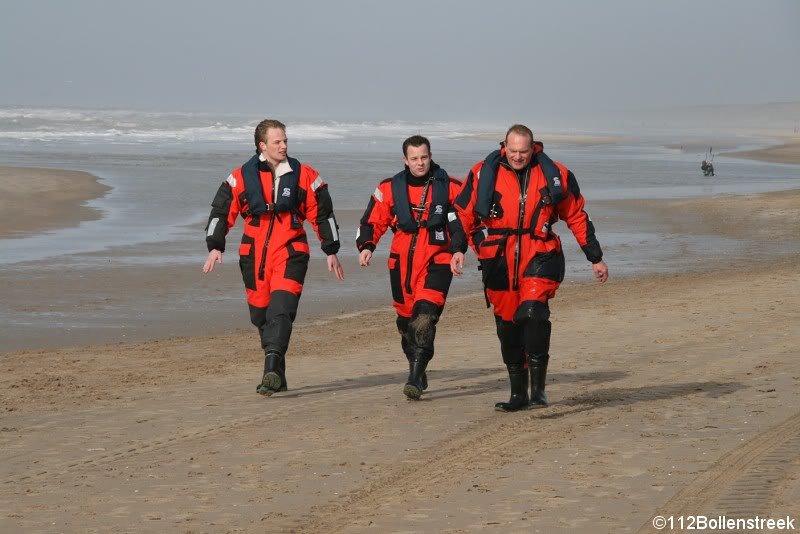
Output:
(537, 365)
(518, 377)
(416, 377)
(424, 379)
(537, 347)
(274, 378)
(408, 349)
(418, 334)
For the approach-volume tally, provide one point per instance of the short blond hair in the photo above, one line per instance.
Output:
(263, 126)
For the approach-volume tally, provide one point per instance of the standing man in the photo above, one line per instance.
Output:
(274, 194)
(417, 203)
(508, 205)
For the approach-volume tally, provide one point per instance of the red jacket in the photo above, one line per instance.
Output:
(431, 245)
(521, 236)
(272, 231)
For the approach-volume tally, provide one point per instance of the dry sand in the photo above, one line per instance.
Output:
(788, 152)
(670, 395)
(34, 200)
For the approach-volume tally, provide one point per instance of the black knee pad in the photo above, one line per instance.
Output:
(532, 310)
(426, 307)
(422, 327)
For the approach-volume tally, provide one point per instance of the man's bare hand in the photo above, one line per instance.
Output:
(214, 257)
(335, 266)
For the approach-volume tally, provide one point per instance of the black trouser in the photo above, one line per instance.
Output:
(512, 345)
(274, 322)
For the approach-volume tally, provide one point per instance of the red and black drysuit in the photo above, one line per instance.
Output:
(274, 252)
(508, 217)
(427, 231)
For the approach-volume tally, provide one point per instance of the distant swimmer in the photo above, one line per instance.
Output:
(507, 207)
(274, 194)
(417, 204)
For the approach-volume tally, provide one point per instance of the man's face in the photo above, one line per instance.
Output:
(418, 159)
(274, 148)
(519, 150)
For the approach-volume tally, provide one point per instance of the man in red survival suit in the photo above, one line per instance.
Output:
(417, 204)
(274, 194)
(507, 206)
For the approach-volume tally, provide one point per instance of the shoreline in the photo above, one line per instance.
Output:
(135, 305)
(58, 196)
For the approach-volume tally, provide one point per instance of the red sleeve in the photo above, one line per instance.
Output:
(465, 203)
(571, 211)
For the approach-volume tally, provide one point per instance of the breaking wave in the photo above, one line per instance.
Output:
(136, 127)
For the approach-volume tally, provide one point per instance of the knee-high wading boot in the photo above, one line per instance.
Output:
(537, 365)
(274, 378)
(419, 341)
(518, 377)
(537, 347)
(424, 378)
(415, 385)
(408, 349)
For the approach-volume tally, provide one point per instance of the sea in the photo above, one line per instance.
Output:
(163, 169)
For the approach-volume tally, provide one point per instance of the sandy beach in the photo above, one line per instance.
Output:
(671, 395)
(788, 152)
(56, 197)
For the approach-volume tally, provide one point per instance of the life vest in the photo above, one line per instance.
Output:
(287, 187)
(488, 179)
(439, 205)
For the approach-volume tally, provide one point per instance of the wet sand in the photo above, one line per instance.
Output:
(670, 395)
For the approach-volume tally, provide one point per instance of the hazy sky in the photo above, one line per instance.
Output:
(399, 59)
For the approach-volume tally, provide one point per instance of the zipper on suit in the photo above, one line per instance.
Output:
(523, 197)
(263, 264)
(420, 211)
